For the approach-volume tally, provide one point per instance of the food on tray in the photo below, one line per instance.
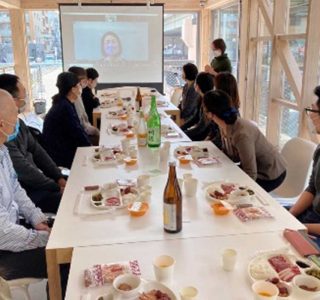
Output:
(113, 201)
(91, 187)
(185, 159)
(130, 161)
(195, 151)
(221, 191)
(206, 161)
(308, 288)
(302, 264)
(282, 287)
(284, 267)
(154, 295)
(102, 274)
(97, 197)
(264, 294)
(125, 287)
(252, 213)
(261, 270)
(313, 272)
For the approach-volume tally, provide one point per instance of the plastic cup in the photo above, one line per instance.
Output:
(188, 293)
(143, 180)
(229, 258)
(187, 176)
(190, 187)
(125, 145)
(163, 267)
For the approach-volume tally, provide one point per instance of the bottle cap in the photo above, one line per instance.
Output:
(172, 163)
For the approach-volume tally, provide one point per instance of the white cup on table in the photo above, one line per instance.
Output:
(163, 267)
(263, 290)
(143, 180)
(190, 187)
(125, 145)
(188, 293)
(229, 259)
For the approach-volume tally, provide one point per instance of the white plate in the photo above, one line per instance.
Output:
(195, 151)
(107, 152)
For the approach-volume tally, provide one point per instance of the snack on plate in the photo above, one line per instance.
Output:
(252, 213)
(221, 191)
(206, 161)
(284, 267)
(154, 295)
(99, 275)
(261, 270)
(282, 287)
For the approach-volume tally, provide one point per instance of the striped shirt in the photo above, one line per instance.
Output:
(14, 201)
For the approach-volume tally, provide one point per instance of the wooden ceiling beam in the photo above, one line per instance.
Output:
(10, 4)
(183, 5)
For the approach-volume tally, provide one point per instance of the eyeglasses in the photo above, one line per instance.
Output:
(307, 109)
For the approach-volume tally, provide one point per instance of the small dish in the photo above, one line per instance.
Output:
(129, 135)
(130, 161)
(138, 209)
(185, 159)
(127, 285)
(306, 286)
(219, 209)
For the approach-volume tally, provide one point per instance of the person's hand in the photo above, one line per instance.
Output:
(42, 227)
(62, 183)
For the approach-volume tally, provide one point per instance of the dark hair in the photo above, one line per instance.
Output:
(65, 82)
(220, 44)
(317, 93)
(113, 35)
(92, 73)
(79, 71)
(191, 71)
(9, 83)
(220, 104)
(205, 82)
(226, 82)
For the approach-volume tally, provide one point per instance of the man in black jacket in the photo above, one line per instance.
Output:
(90, 101)
(36, 171)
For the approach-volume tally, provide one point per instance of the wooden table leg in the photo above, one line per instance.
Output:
(53, 270)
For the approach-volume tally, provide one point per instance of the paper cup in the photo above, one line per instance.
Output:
(163, 267)
(190, 187)
(229, 258)
(143, 180)
(264, 290)
(188, 293)
(187, 176)
(125, 145)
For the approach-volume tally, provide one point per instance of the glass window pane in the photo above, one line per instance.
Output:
(289, 126)
(298, 16)
(180, 46)
(6, 50)
(44, 49)
(263, 93)
(225, 24)
(297, 48)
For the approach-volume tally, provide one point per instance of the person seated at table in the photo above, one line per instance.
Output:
(22, 250)
(37, 173)
(243, 141)
(62, 131)
(226, 82)
(90, 101)
(190, 98)
(198, 127)
(221, 61)
(307, 207)
(92, 131)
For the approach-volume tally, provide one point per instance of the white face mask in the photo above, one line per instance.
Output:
(217, 53)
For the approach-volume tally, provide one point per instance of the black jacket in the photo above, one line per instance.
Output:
(63, 133)
(189, 103)
(35, 168)
(90, 102)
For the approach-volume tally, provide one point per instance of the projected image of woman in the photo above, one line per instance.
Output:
(111, 47)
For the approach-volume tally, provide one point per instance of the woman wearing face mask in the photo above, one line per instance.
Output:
(307, 208)
(242, 141)
(221, 61)
(62, 131)
(190, 98)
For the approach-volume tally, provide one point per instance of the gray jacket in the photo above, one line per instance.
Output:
(244, 142)
(34, 167)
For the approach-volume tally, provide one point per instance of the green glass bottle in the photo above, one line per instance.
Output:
(154, 125)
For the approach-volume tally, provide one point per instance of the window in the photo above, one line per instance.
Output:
(44, 50)
(225, 24)
(180, 46)
(6, 51)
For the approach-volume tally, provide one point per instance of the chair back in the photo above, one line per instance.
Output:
(298, 154)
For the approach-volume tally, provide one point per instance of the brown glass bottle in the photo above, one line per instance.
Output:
(138, 100)
(172, 202)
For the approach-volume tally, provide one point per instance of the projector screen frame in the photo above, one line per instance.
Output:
(156, 85)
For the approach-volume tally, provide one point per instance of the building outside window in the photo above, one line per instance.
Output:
(180, 46)
(6, 51)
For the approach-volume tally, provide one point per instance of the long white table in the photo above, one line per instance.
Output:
(198, 263)
(169, 109)
(72, 230)
(108, 138)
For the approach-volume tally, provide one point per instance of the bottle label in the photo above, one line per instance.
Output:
(170, 216)
(154, 137)
(142, 140)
